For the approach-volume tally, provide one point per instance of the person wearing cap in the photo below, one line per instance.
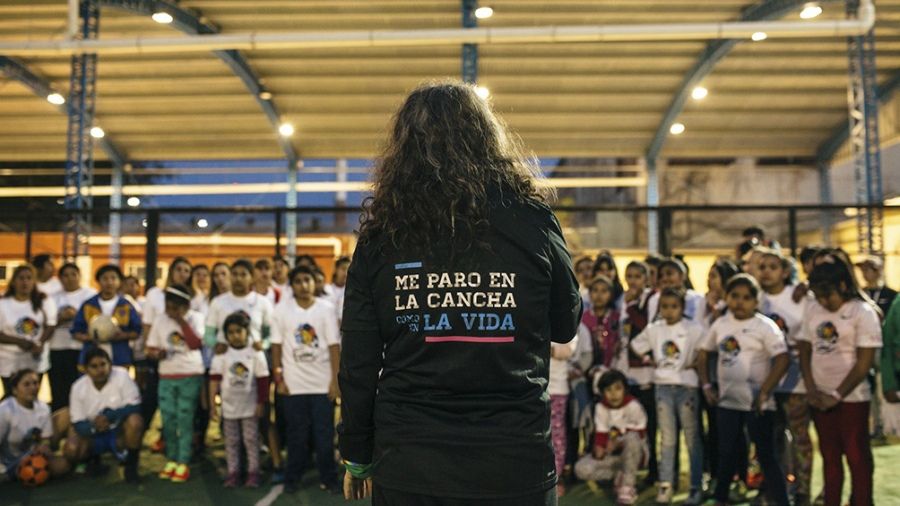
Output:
(872, 269)
(175, 341)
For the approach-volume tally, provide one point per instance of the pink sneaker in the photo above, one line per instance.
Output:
(252, 480)
(231, 481)
(627, 495)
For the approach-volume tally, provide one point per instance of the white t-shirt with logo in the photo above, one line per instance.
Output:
(305, 336)
(239, 369)
(19, 319)
(19, 428)
(788, 316)
(745, 349)
(674, 350)
(62, 336)
(254, 305)
(834, 338)
(180, 361)
(86, 402)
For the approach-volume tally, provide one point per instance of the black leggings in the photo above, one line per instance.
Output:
(387, 497)
(63, 372)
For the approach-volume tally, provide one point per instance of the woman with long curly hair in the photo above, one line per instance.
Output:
(459, 283)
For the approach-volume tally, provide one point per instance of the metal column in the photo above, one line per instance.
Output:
(864, 140)
(115, 219)
(652, 201)
(825, 198)
(340, 197)
(469, 51)
(290, 219)
(80, 146)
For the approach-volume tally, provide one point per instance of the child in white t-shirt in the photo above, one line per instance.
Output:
(241, 378)
(27, 319)
(558, 388)
(674, 343)
(752, 359)
(175, 341)
(620, 446)
(104, 410)
(26, 427)
(840, 337)
(305, 359)
(774, 271)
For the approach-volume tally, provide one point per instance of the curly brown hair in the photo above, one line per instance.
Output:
(448, 156)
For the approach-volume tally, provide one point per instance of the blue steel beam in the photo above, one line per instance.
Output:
(190, 22)
(829, 148)
(15, 69)
(715, 51)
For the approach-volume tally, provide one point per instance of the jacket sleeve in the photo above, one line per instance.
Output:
(889, 354)
(79, 324)
(362, 351)
(565, 299)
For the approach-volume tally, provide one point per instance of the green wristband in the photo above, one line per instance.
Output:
(358, 471)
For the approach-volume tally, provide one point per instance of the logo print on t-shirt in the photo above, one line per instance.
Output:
(779, 321)
(671, 354)
(826, 337)
(306, 334)
(239, 373)
(729, 349)
(176, 339)
(27, 327)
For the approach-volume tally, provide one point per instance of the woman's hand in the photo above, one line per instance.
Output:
(356, 489)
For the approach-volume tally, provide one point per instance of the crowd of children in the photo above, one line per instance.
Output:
(742, 371)
(207, 334)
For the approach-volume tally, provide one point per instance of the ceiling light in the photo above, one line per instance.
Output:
(286, 129)
(265, 95)
(162, 17)
(484, 12)
(482, 92)
(677, 128)
(56, 99)
(144, 223)
(202, 223)
(133, 201)
(699, 93)
(758, 36)
(97, 133)
(810, 10)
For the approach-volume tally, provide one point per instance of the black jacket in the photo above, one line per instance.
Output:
(444, 370)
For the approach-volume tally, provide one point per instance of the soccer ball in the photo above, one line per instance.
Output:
(33, 470)
(102, 328)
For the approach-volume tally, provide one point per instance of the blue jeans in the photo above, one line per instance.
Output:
(302, 412)
(679, 405)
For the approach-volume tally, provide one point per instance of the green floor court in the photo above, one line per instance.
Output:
(205, 488)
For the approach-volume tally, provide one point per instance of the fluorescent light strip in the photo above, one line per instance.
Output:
(217, 240)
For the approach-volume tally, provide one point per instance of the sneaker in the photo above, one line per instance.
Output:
(231, 481)
(252, 480)
(627, 495)
(277, 477)
(664, 493)
(181, 474)
(695, 498)
(168, 471)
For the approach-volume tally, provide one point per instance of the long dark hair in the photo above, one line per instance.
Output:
(36, 296)
(832, 269)
(175, 262)
(447, 157)
(214, 290)
(607, 259)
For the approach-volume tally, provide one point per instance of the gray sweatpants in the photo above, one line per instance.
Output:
(605, 469)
